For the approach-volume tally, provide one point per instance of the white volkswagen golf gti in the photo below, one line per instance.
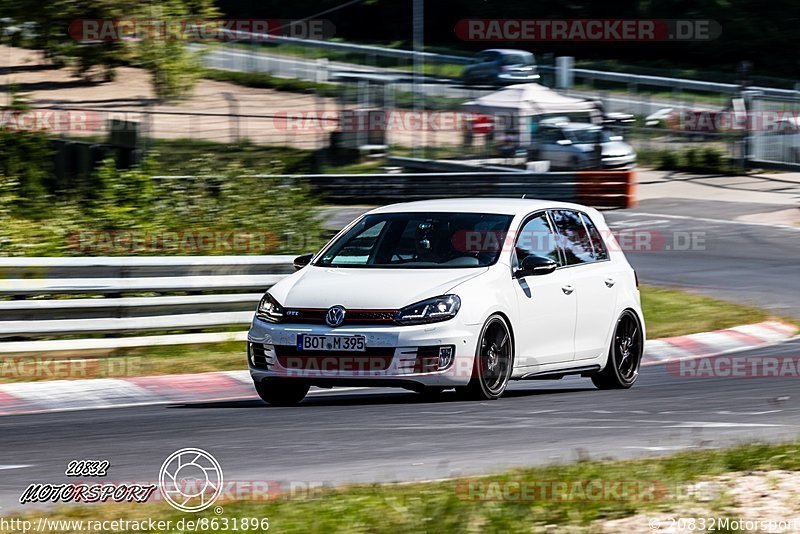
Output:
(463, 293)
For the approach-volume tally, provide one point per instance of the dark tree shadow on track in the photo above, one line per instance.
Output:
(366, 398)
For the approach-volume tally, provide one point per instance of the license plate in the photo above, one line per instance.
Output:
(332, 343)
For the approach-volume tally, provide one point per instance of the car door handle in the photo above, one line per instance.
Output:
(568, 289)
(609, 282)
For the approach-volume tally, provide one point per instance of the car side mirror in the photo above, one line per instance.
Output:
(564, 142)
(534, 265)
(302, 261)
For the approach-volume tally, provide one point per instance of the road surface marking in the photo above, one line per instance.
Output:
(708, 220)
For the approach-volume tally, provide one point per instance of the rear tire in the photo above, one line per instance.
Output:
(494, 361)
(281, 393)
(624, 356)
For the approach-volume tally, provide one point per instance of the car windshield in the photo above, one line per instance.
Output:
(517, 59)
(420, 240)
(588, 135)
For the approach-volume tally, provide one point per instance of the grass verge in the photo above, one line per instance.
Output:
(672, 312)
(470, 505)
(668, 312)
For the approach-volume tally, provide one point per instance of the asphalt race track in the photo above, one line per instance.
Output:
(739, 261)
(388, 435)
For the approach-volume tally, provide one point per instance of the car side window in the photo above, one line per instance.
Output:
(550, 135)
(598, 245)
(536, 237)
(574, 240)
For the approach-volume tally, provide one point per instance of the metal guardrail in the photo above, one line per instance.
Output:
(123, 295)
(618, 77)
(675, 83)
(595, 188)
(362, 49)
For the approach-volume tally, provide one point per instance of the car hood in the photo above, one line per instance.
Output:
(365, 288)
(616, 148)
(608, 147)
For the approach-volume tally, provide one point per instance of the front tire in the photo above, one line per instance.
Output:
(494, 361)
(624, 356)
(281, 393)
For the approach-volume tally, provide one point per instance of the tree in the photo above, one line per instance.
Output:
(174, 69)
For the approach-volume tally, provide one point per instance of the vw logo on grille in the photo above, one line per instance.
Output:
(335, 316)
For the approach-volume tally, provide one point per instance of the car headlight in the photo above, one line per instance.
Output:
(429, 310)
(269, 310)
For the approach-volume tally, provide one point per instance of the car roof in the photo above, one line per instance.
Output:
(503, 206)
(507, 51)
(571, 125)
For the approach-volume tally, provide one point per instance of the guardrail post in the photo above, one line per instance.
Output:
(233, 115)
(322, 70)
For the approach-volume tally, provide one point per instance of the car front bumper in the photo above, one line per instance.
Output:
(394, 355)
(619, 162)
(517, 78)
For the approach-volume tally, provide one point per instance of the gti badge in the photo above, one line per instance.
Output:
(335, 316)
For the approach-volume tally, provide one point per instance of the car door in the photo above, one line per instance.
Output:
(476, 69)
(548, 148)
(545, 330)
(594, 278)
(489, 66)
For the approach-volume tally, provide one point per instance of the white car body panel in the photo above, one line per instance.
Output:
(551, 330)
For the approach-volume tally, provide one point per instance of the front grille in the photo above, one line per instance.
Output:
(351, 317)
(261, 357)
(427, 359)
(373, 359)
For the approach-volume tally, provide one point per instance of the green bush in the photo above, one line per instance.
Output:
(26, 165)
(670, 161)
(280, 213)
(712, 160)
(692, 159)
